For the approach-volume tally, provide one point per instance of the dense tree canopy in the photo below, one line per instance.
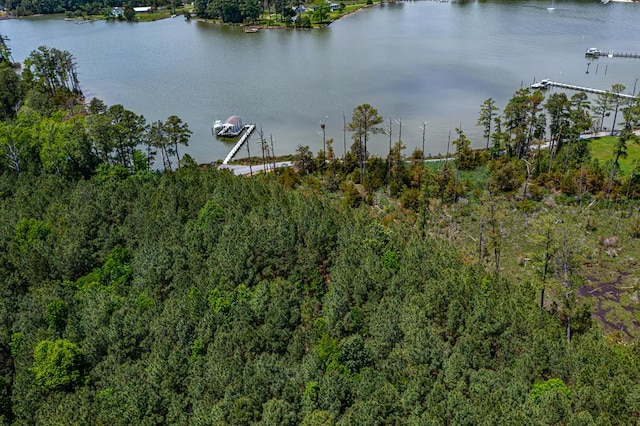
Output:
(234, 11)
(159, 296)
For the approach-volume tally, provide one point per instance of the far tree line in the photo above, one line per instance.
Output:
(90, 7)
(231, 11)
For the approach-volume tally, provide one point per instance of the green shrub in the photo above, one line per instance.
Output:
(540, 388)
(57, 364)
(29, 232)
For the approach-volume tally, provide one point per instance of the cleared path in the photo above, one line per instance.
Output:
(241, 170)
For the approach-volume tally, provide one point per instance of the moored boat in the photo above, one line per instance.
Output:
(542, 84)
(592, 51)
(228, 128)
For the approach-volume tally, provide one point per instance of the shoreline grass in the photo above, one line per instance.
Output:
(602, 149)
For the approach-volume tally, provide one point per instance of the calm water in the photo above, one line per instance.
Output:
(416, 61)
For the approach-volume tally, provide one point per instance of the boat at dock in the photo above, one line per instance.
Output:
(593, 52)
(229, 128)
(542, 84)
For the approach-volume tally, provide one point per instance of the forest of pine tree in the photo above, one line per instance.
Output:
(335, 293)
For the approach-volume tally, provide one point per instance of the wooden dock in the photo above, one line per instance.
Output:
(248, 130)
(594, 53)
(546, 83)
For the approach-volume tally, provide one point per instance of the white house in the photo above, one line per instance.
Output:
(145, 9)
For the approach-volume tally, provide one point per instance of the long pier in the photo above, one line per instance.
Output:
(546, 83)
(596, 53)
(248, 129)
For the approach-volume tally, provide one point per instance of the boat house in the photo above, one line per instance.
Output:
(230, 127)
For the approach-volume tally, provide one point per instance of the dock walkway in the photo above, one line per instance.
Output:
(545, 84)
(248, 130)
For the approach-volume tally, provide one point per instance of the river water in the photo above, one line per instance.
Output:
(415, 62)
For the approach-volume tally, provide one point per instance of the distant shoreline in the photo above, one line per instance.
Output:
(5, 15)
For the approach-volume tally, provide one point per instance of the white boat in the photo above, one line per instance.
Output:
(228, 128)
(592, 51)
(542, 84)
